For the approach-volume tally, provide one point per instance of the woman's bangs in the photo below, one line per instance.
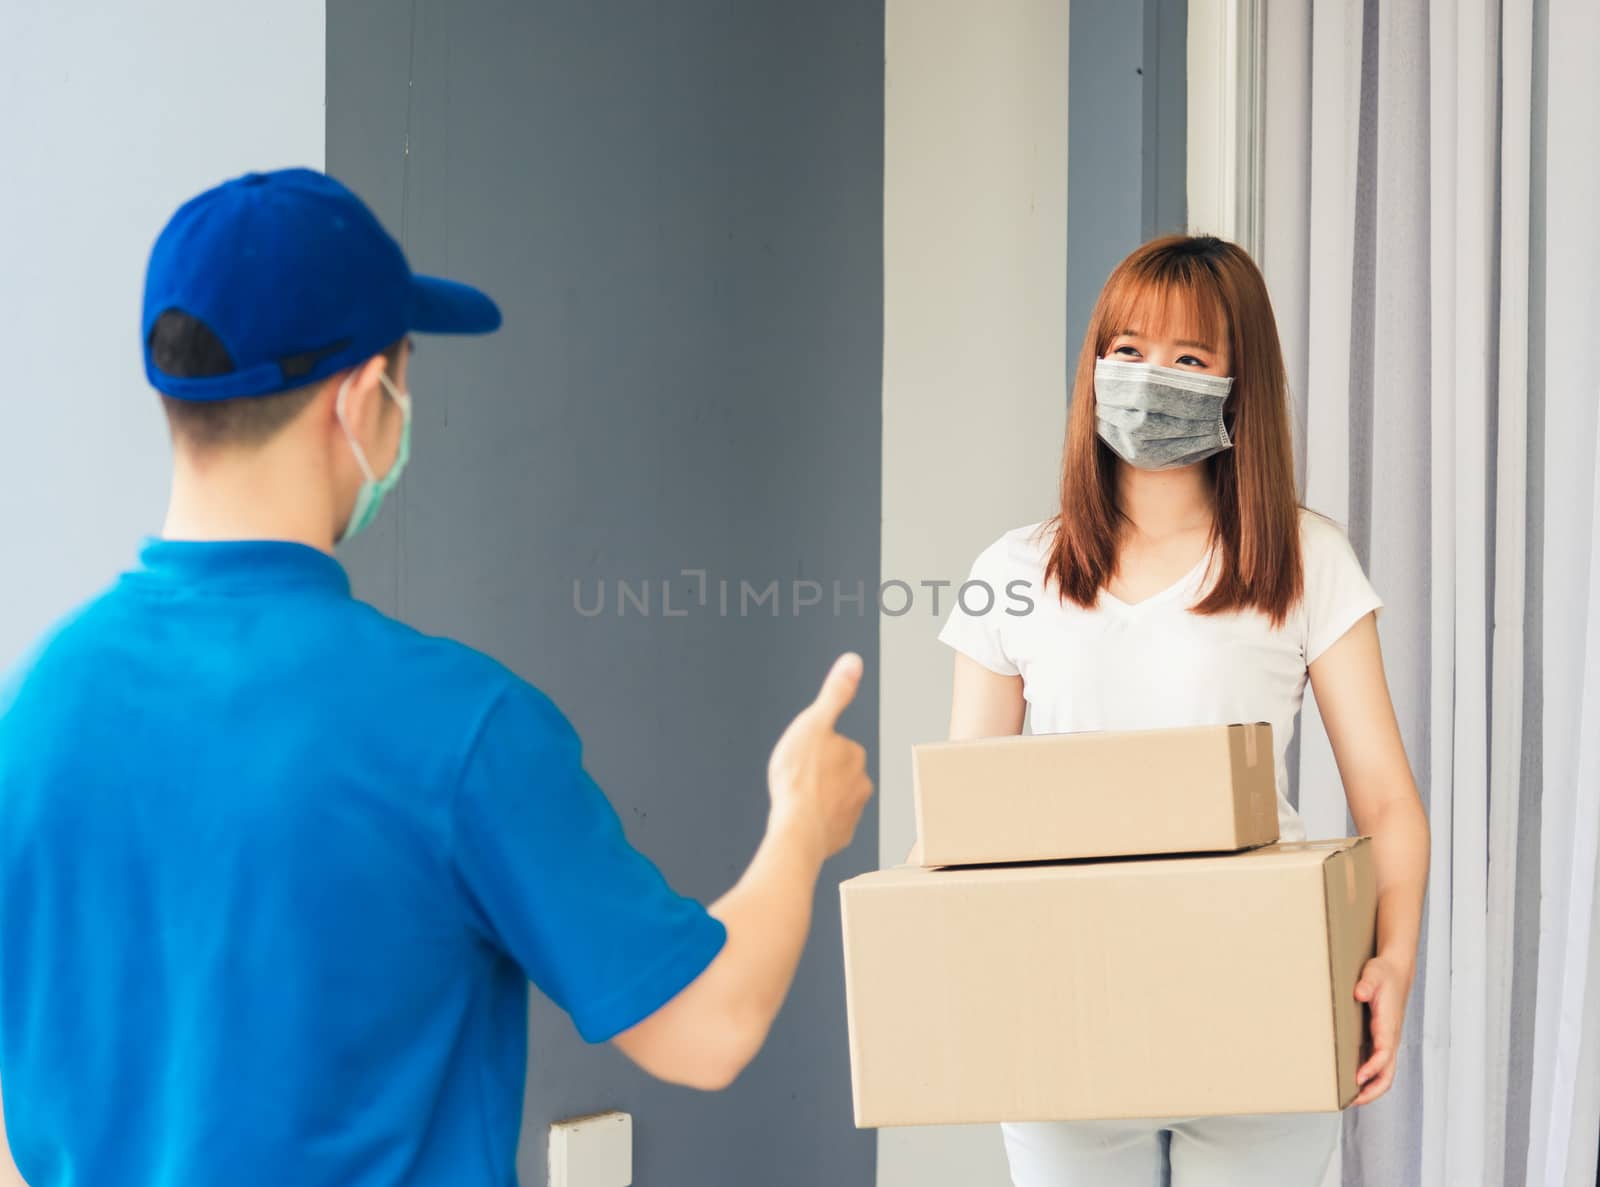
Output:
(1172, 303)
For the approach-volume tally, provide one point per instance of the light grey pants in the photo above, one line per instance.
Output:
(1280, 1150)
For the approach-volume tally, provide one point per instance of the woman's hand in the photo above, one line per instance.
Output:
(1383, 989)
(1353, 695)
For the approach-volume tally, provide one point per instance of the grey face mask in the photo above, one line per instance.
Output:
(1159, 418)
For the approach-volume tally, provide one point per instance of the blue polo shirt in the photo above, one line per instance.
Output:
(275, 872)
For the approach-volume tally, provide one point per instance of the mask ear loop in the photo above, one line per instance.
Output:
(402, 399)
(350, 438)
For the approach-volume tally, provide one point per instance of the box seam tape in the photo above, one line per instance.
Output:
(920, 834)
(1333, 979)
(1333, 988)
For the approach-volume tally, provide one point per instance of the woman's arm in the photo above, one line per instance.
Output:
(1353, 696)
(984, 704)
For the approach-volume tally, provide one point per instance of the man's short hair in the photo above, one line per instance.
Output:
(185, 347)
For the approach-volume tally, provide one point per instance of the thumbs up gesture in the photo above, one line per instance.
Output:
(818, 777)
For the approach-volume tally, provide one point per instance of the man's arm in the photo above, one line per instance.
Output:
(706, 1035)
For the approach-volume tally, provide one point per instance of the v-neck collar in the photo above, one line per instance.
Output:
(1182, 585)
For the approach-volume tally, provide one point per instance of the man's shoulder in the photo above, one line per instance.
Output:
(424, 664)
(436, 670)
(448, 690)
(85, 624)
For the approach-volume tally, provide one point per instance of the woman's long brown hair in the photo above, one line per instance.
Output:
(1256, 526)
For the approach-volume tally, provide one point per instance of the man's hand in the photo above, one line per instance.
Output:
(817, 777)
(818, 781)
(1383, 988)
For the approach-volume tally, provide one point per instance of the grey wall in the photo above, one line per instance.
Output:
(680, 209)
(1126, 141)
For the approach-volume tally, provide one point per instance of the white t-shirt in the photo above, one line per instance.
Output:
(1154, 665)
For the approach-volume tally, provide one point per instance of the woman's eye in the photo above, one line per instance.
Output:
(1189, 360)
(1127, 350)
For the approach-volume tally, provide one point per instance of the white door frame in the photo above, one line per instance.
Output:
(1227, 65)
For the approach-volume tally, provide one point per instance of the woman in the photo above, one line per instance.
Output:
(1181, 584)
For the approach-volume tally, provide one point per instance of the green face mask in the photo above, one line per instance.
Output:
(370, 497)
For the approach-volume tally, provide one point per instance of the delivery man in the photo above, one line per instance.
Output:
(275, 870)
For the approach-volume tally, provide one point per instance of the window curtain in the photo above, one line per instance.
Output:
(1429, 233)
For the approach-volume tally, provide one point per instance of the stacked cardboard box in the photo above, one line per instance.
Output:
(1104, 926)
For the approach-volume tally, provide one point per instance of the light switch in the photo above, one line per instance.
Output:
(592, 1151)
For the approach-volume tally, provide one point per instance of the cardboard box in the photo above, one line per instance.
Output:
(1046, 797)
(1167, 987)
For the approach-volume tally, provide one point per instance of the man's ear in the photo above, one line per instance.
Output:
(364, 398)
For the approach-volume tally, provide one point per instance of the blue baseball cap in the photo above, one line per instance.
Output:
(297, 280)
